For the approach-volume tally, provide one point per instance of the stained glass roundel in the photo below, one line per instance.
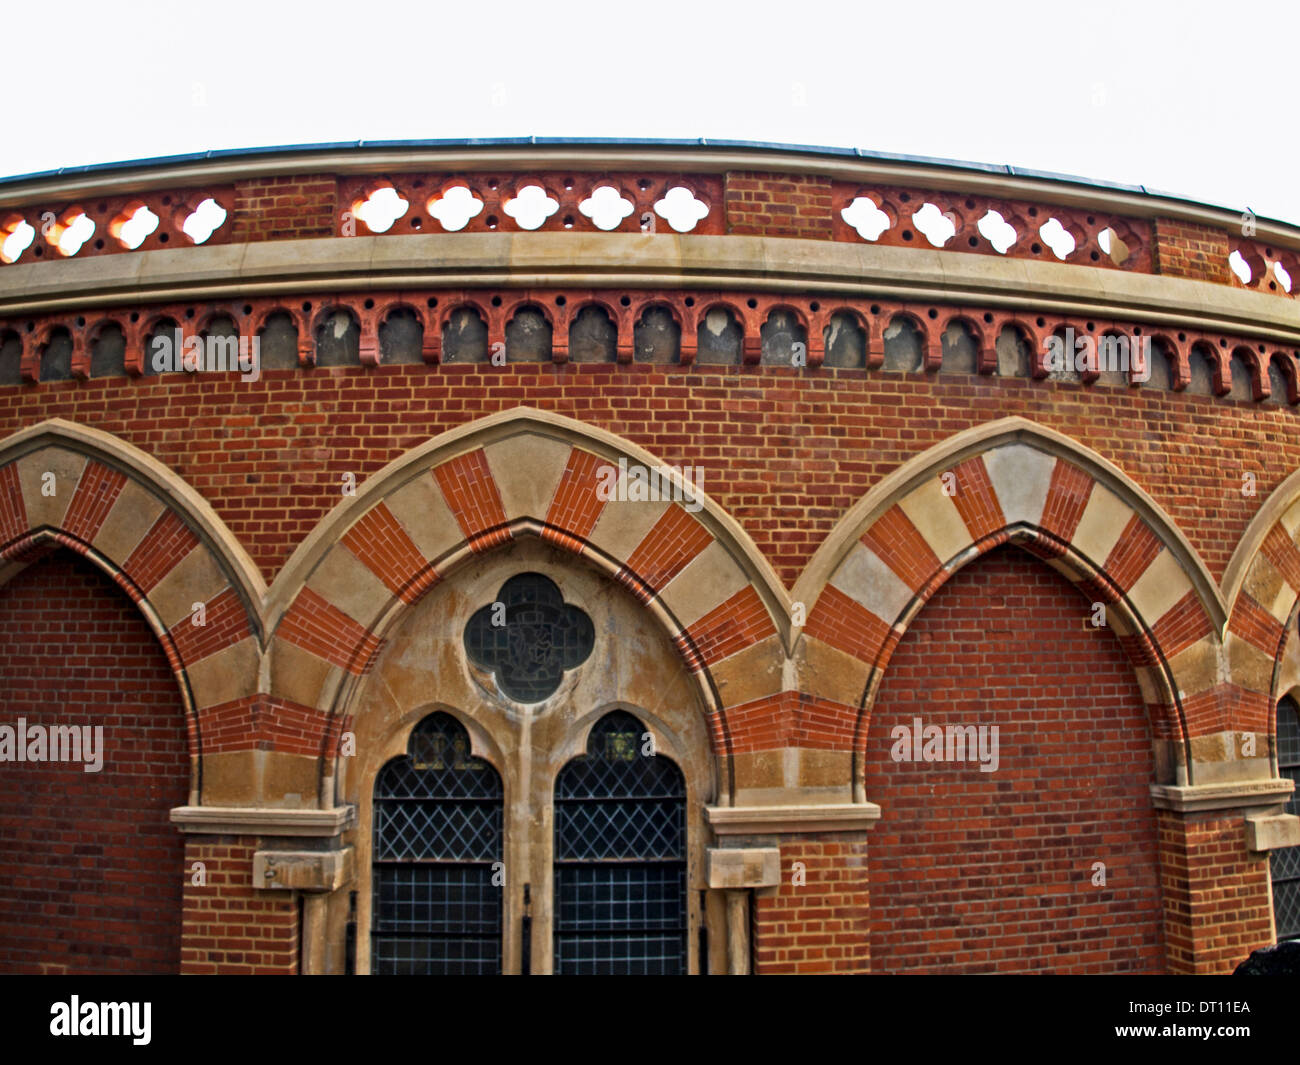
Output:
(529, 637)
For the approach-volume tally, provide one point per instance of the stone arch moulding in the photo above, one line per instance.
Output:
(67, 485)
(1014, 481)
(520, 473)
(1262, 587)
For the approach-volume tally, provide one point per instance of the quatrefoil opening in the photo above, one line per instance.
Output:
(529, 638)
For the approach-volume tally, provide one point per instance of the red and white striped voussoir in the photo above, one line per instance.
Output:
(77, 488)
(528, 475)
(1100, 531)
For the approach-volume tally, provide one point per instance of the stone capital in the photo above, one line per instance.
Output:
(263, 821)
(789, 820)
(302, 870)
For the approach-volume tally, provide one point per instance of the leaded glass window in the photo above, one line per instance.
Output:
(529, 637)
(1284, 863)
(437, 854)
(620, 857)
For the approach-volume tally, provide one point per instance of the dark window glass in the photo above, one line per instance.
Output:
(529, 637)
(437, 842)
(1284, 864)
(620, 857)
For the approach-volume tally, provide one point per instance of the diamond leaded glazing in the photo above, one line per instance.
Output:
(437, 839)
(620, 857)
(1285, 863)
(529, 637)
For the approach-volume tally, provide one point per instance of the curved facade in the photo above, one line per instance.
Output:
(660, 558)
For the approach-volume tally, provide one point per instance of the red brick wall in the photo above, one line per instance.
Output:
(818, 925)
(231, 928)
(786, 452)
(1218, 907)
(1183, 249)
(285, 208)
(992, 872)
(778, 205)
(90, 867)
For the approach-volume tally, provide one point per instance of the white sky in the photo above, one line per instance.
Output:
(1192, 98)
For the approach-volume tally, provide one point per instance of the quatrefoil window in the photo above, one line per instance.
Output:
(529, 637)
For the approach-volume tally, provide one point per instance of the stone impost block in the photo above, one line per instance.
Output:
(1266, 832)
(744, 867)
(302, 870)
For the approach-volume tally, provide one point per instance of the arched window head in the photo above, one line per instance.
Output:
(620, 856)
(620, 762)
(437, 873)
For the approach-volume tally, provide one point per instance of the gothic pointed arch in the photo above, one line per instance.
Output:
(524, 473)
(1015, 481)
(70, 486)
(1262, 587)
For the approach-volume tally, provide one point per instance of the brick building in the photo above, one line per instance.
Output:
(667, 557)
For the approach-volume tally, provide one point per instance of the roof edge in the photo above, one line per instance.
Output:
(223, 158)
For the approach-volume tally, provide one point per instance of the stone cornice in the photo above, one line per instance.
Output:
(637, 261)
